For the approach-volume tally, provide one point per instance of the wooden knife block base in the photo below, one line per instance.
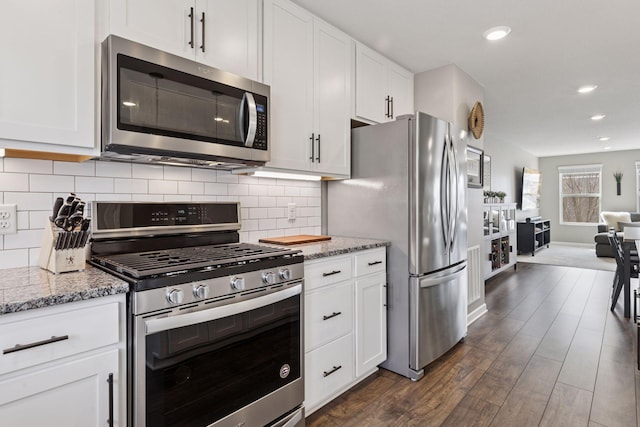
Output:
(61, 260)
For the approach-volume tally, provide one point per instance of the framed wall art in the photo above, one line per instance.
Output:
(475, 166)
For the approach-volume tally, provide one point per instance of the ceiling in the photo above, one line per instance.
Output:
(530, 78)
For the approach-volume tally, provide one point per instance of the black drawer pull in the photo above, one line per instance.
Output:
(374, 263)
(20, 347)
(332, 273)
(334, 314)
(335, 368)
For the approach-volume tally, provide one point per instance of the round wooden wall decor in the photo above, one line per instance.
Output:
(476, 120)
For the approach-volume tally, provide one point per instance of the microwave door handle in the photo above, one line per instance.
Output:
(248, 105)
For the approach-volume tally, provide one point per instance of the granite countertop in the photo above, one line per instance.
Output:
(336, 246)
(32, 287)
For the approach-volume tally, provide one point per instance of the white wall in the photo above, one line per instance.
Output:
(34, 184)
(623, 161)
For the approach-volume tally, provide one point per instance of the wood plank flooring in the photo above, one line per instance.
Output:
(548, 353)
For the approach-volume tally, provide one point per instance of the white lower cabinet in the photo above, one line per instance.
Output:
(345, 322)
(60, 366)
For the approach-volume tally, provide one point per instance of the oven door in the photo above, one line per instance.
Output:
(232, 364)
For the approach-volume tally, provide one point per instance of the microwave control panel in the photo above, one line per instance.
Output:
(260, 141)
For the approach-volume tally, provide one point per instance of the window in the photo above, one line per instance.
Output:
(580, 192)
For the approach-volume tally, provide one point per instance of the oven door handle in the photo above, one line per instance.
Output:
(153, 326)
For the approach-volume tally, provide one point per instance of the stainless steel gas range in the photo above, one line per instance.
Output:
(215, 332)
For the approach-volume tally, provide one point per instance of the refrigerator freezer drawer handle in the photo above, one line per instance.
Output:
(425, 283)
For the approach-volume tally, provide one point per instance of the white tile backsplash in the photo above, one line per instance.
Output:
(34, 184)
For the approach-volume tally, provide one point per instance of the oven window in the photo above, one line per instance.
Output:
(200, 373)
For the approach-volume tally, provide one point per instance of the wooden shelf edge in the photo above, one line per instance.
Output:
(45, 155)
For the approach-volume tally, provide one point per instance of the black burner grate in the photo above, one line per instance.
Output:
(145, 264)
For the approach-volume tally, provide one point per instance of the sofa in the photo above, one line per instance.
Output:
(617, 221)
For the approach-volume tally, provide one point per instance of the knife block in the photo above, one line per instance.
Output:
(59, 260)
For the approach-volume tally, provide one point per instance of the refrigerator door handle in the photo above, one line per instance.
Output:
(444, 194)
(453, 211)
(449, 275)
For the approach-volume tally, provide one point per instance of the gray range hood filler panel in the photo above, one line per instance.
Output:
(134, 147)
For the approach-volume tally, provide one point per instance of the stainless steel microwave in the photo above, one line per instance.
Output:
(159, 107)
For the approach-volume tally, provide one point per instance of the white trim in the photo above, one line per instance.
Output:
(476, 314)
(575, 170)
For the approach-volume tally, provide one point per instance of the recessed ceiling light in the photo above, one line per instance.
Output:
(604, 138)
(607, 148)
(587, 88)
(497, 33)
(128, 104)
(598, 117)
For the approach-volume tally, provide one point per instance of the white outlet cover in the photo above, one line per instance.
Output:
(291, 211)
(8, 219)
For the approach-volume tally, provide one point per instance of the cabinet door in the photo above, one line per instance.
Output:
(288, 69)
(162, 24)
(72, 394)
(48, 73)
(401, 90)
(228, 37)
(371, 85)
(371, 323)
(332, 65)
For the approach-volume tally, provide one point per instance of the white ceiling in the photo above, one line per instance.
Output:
(530, 78)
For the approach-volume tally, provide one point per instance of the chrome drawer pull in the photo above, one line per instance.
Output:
(335, 368)
(332, 273)
(20, 347)
(334, 314)
(374, 263)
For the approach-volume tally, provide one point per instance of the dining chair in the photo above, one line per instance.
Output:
(617, 278)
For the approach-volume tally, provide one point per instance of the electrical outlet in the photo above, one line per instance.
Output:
(291, 211)
(8, 219)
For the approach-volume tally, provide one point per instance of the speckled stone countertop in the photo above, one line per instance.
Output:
(32, 287)
(336, 246)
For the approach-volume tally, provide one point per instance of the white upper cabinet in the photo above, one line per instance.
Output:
(220, 33)
(384, 90)
(307, 64)
(47, 74)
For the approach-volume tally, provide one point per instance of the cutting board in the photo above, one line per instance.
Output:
(295, 240)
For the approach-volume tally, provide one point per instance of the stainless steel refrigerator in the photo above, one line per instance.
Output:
(408, 185)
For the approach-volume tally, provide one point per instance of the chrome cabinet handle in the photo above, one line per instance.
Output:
(374, 263)
(318, 140)
(203, 37)
(335, 368)
(332, 315)
(110, 382)
(20, 347)
(312, 158)
(192, 23)
(331, 273)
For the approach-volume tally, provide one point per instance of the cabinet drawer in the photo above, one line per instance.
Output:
(328, 314)
(328, 271)
(371, 261)
(49, 337)
(328, 369)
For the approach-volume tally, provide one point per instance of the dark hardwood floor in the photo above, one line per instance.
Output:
(548, 353)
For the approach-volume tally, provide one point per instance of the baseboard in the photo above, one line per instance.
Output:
(476, 314)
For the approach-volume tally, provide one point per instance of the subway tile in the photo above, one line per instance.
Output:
(94, 185)
(226, 177)
(244, 213)
(250, 225)
(28, 165)
(276, 212)
(249, 202)
(14, 181)
(300, 201)
(149, 198)
(203, 175)
(251, 180)
(147, 171)
(201, 198)
(1, 164)
(189, 187)
(51, 183)
(177, 173)
(37, 219)
(114, 197)
(313, 201)
(310, 192)
(284, 223)
(258, 213)
(14, 258)
(163, 187)
(177, 197)
(238, 190)
(254, 236)
(216, 189)
(129, 185)
(23, 239)
(229, 199)
(85, 197)
(87, 168)
(244, 236)
(283, 202)
(314, 221)
(34, 256)
(23, 220)
(306, 211)
(291, 191)
(275, 190)
(292, 231)
(268, 202)
(113, 169)
(30, 201)
(258, 190)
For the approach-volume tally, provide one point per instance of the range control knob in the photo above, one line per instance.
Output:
(201, 291)
(237, 283)
(285, 274)
(175, 296)
(269, 277)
